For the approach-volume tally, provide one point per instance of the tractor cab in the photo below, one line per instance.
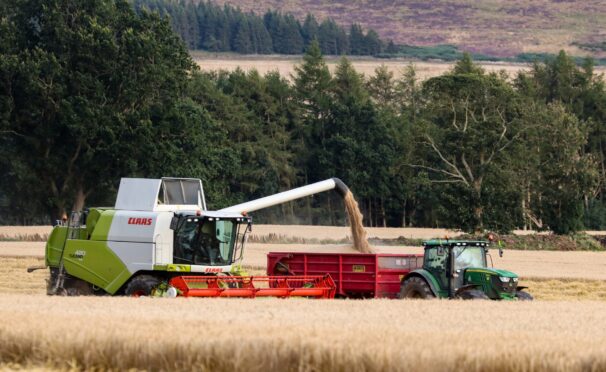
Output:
(459, 269)
(209, 238)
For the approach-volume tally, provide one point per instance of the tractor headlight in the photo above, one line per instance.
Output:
(515, 280)
(504, 279)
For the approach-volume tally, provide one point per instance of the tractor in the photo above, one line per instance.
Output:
(459, 269)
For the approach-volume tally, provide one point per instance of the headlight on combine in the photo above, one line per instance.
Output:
(504, 279)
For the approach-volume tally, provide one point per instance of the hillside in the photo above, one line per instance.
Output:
(494, 27)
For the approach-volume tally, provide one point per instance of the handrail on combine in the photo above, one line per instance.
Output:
(318, 286)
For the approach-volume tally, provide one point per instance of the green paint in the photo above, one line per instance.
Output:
(102, 225)
(434, 284)
(484, 278)
(178, 268)
(54, 245)
(96, 263)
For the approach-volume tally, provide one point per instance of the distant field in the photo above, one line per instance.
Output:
(300, 335)
(495, 27)
(285, 65)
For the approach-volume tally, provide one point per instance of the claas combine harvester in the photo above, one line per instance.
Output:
(160, 239)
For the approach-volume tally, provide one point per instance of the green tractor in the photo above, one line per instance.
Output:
(459, 269)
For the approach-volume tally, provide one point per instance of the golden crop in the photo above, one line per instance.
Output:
(301, 335)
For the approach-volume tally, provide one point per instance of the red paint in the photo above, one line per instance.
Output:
(318, 286)
(140, 221)
(213, 270)
(356, 274)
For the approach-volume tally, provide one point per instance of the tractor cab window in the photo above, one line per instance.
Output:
(435, 258)
(204, 241)
(468, 256)
(436, 262)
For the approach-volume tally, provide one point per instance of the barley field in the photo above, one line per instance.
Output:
(563, 330)
(300, 335)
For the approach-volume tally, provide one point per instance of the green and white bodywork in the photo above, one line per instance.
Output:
(159, 228)
(459, 269)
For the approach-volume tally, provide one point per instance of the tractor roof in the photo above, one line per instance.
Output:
(443, 242)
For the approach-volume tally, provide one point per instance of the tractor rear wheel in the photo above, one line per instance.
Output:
(416, 287)
(473, 294)
(142, 285)
(524, 296)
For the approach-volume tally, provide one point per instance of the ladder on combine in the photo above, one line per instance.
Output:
(315, 286)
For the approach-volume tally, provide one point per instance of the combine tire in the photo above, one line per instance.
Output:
(142, 285)
(416, 287)
(524, 296)
(77, 287)
(473, 294)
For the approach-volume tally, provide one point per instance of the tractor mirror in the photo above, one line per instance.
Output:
(440, 251)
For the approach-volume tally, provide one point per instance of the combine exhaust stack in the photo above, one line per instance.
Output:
(316, 286)
(286, 196)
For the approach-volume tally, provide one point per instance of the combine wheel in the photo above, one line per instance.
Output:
(142, 285)
(473, 294)
(77, 287)
(416, 287)
(524, 296)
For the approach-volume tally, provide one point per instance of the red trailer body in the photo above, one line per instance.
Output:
(355, 274)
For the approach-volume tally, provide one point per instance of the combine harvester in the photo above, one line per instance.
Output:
(160, 240)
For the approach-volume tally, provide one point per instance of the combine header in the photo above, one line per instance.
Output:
(318, 286)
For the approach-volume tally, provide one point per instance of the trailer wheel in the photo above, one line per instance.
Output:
(416, 287)
(142, 285)
(524, 296)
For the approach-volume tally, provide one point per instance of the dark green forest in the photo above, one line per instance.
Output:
(207, 26)
(203, 25)
(91, 92)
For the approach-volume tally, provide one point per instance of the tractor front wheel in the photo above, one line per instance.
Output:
(416, 287)
(142, 285)
(524, 296)
(473, 294)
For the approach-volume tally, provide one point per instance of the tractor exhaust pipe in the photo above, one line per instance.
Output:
(286, 196)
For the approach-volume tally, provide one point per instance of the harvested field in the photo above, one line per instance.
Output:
(300, 335)
(285, 65)
(539, 264)
(22, 249)
(15, 280)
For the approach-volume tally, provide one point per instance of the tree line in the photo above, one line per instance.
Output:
(93, 92)
(208, 26)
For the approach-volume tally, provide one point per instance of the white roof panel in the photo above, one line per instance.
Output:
(138, 194)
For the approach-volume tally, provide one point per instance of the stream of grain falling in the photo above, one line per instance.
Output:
(355, 221)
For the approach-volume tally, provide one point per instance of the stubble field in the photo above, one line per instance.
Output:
(563, 330)
(286, 65)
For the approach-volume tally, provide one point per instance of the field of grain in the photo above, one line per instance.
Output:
(285, 65)
(300, 335)
(563, 330)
